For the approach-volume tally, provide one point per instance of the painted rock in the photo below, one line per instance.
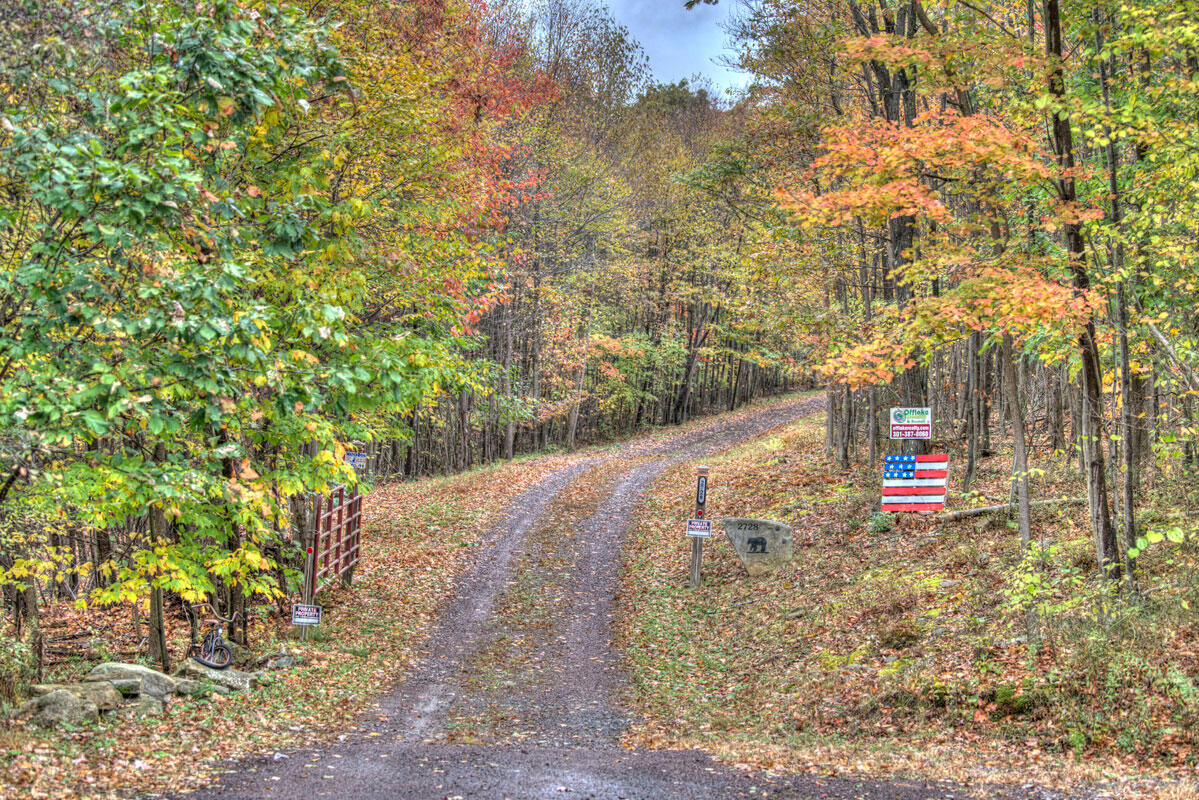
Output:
(762, 545)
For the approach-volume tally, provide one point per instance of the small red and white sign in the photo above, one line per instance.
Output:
(915, 483)
(699, 528)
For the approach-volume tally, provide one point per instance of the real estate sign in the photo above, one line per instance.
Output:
(911, 423)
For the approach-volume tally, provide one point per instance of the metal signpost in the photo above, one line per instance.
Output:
(356, 460)
(911, 423)
(697, 539)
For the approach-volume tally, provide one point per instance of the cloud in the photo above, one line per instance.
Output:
(680, 43)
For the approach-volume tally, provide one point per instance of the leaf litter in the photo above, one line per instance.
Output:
(876, 652)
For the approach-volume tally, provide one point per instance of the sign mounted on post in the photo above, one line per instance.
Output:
(911, 423)
(698, 528)
(304, 614)
(356, 460)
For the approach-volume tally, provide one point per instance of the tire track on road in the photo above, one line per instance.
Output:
(400, 749)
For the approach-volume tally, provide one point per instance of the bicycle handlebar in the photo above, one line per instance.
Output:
(236, 614)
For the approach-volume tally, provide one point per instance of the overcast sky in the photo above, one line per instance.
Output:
(679, 42)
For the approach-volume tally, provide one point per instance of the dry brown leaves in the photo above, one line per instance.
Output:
(417, 537)
(876, 651)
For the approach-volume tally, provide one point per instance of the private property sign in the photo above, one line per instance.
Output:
(911, 423)
(699, 528)
(305, 614)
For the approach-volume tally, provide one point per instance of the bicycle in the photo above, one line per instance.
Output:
(212, 651)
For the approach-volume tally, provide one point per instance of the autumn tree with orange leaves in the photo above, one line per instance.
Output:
(970, 171)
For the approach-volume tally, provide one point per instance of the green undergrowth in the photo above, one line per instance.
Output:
(417, 538)
(899, 643)
(415, 541)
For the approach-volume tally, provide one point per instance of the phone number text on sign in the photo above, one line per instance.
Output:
(911, 431)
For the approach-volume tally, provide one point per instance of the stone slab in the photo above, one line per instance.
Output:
(763, 545)
(153, 682)
(57, 707)
(229, 677)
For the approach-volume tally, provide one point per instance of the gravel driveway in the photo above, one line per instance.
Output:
(517, 694)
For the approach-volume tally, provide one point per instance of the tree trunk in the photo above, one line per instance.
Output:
(157, 630)
(1106, 549)
(974, 409)
(1019, 450)
(573, 422)
(506, 383)
(1128, 444)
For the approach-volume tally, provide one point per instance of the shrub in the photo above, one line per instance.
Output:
(16, 668)
(882, 522)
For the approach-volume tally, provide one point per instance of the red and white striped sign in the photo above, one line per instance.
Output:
(914, 483)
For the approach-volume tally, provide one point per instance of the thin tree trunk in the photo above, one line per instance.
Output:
(1019, 450)
(157, 630)
(974, 409)
(1106, 549)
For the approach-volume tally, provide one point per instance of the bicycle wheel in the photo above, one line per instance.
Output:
(217, 658)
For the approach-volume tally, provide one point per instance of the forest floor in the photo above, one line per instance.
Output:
(517, 692)
(899, 644)
(418, 538)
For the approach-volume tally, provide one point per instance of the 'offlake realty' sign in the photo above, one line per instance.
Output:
(911, 423)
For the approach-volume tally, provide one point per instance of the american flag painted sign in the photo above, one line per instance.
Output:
(914, 483)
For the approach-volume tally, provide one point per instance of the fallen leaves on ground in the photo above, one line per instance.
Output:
(888, 646)
(416, 539)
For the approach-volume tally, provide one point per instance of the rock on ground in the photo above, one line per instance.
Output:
(152, 682)
(130, 687)
(102, 693)
(190, 688)
(229, 678)
(146, 706)
(280, 660)
(58, 707)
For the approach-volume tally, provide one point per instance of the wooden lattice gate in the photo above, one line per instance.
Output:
(334, 543)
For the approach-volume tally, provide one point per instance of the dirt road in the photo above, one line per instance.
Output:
(518, 693)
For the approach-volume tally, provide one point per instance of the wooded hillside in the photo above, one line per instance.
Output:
(239, 239)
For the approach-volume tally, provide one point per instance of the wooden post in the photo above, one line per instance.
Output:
(697, 542)
(311, 542)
